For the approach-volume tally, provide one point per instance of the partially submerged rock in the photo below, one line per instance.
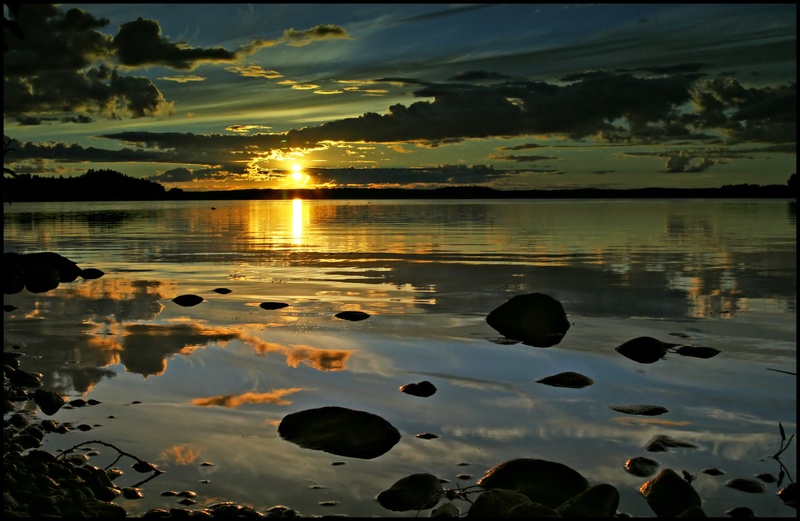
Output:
(272, 305)
(753, 486)
(422, 389)
(641, 409)
(500, 502)
(414, 492)
(547, 482)
(643, 349)
(663, 442)
(340, 431)
(352, 316)
(188, 300)
(534, 318)
(668, 494)
(641, 466)
(600, 500)
(567, 379)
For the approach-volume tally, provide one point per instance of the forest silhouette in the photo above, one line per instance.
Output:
(110, 185)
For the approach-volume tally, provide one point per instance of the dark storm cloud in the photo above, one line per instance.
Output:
(140, 43)
(59, 70)
(595, 103)
(66, 66)
(61, 152)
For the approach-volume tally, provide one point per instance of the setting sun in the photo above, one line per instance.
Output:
(297, 177)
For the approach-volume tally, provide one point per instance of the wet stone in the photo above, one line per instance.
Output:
(567, 379)
(749, 485)
(641, 466)
(422, 389)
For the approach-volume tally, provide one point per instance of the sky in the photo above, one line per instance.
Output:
(510, 96)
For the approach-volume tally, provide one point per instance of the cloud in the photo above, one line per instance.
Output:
(274, 397)
(61, 70)
(183, 79)
(297, 38)
(66, 68)
(518, 159)
(254, 71)
(140, 43)
(682, 163)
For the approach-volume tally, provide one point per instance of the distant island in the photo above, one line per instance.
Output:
(110, 185)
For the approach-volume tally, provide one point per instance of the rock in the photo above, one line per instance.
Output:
(187, 300)
(746, 485)
(272, 305)
(598, 501)
(535, 319)
(662, 443)
(644, 410)
(496, 503)
(567, 379)
(547, 482)
(698, 351)
(713, 472)
(642, 467)
(340, 431)
(352, 316)
(446, 510)
(643, 349)
(741, 512)
(788, 495)
(423, 389)
(49, 402)
(221, 291)
(91, 273)
(414, 492)
(668, 494)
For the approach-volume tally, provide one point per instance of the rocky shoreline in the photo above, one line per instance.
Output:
(39, 484)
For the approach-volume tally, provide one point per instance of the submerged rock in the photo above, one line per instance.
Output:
(340, 431)
(535, 319)
(547, 482)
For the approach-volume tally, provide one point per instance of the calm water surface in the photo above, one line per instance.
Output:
(214, 380)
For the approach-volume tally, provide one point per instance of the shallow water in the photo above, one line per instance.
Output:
(214, 380)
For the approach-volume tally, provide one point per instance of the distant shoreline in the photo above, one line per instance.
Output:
(20, 194)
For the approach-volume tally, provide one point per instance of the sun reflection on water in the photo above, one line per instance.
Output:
(297, 221)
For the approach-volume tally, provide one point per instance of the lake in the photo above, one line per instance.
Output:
(199, 391)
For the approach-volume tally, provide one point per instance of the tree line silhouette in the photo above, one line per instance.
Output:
(110, 185)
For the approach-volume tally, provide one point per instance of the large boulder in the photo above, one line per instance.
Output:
(535, 319)
(340, 431)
